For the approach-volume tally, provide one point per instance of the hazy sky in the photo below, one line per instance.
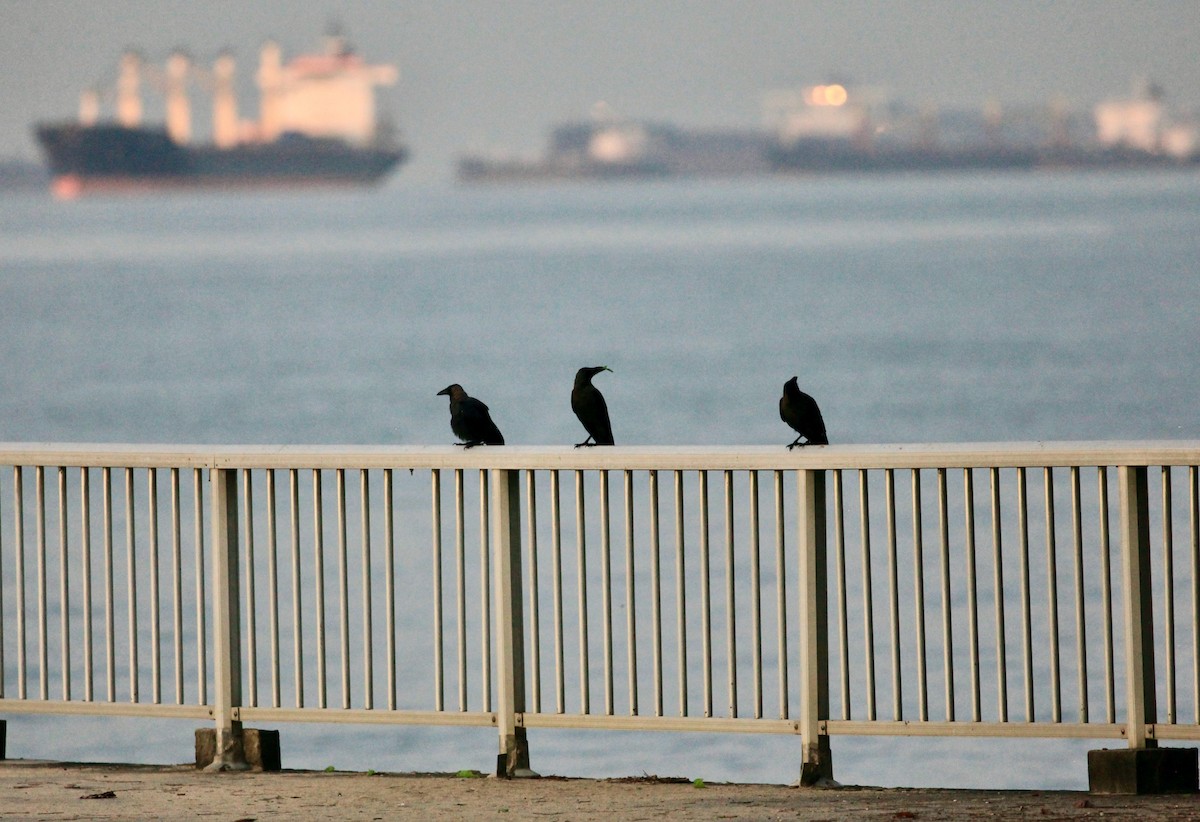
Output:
(498, 74)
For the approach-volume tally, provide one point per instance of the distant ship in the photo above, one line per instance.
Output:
(317, 126)
(834, 129)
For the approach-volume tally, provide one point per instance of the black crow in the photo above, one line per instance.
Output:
(588, 404)
(469, 419)
(800, 411)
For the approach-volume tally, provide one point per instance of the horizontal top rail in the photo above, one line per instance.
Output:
(758, 457)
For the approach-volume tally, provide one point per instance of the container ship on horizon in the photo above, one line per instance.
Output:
(317, 126)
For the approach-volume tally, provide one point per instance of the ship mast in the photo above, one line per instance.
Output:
(179, 112)
(225, 113)
(270, 87)
(129, 97)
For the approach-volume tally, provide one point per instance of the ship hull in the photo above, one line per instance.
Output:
(840, 156)
(85, 159)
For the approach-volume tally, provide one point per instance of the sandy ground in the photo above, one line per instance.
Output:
(53, 790)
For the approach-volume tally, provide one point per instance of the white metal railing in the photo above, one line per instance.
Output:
(845, 590)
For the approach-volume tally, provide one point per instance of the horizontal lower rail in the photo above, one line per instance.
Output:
(1030, 730)
(1165, 731)
(83, 708)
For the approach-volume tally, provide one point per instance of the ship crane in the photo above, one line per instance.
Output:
(173, 81)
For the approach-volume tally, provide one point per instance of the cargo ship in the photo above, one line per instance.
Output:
(317, 125)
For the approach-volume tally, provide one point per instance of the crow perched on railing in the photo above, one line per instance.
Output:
(469, 419)
(588, 404)
(800, 411)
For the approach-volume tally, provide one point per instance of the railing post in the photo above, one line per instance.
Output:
(513, 760)
(227, 648)
(1143, 767)
(816, 766)
(1140, 703)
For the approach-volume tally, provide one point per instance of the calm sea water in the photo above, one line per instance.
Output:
(916, 309)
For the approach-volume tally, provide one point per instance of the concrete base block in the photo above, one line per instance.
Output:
(1143, 770)
(260, 749)
(514, 764)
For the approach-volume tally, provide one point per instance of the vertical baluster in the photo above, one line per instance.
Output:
(389, 586)
(919, 596)
(947, 617)
(297, 600)
(109, 619)
(201, 627)
(251, 647)
(485, 600)
(131, 567)
(755, 594)
(435, 495)
(39, 495)
(893, 593)
(998, 585)
(705, 594)
(681, 595)
(19, 571)
(155, 626)
(85, 551)
(535, 644)
(630, 597)
(1026, 611)
(364, 493)
(656, 593)
(606, 593)
(64, 591)
(343, 585)
(460, 546)
(1080, 613)
(864, 513)
(581, 547)
(319, 583)
(556, 563)
(730, 604)
(972, 591)
(781, 598)
(1106, 597)
(176, 582)
(1194, 522)
(1052, 591)
(839, 547)
(1168, 594)
(273, 587)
